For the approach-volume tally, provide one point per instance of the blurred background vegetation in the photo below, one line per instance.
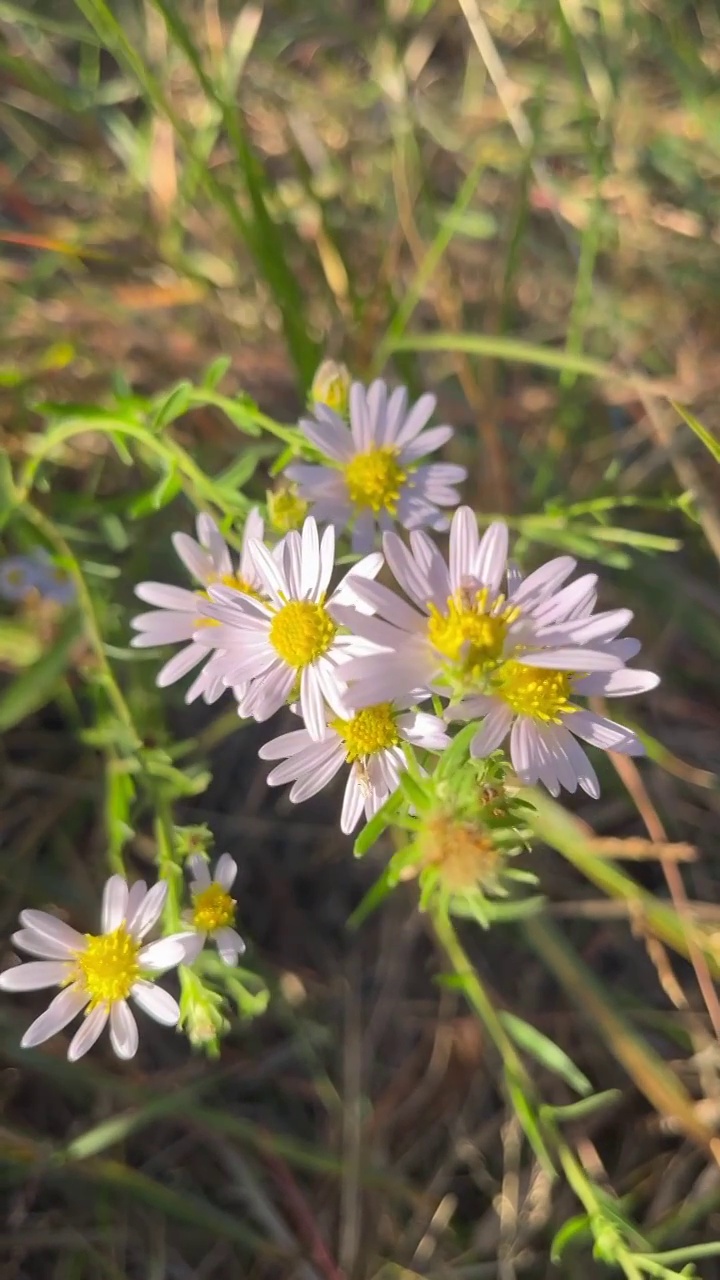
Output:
(516, 204)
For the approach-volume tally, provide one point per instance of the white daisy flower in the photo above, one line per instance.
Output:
(98, 972)
(373, 474)
(177, 617)
(213, 910)
(369, 741)
(290, 636)
(462, 624)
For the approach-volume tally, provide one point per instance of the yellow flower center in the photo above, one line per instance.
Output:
(108, 968)
(375, 479)
(535, 691)
(213, 908)
(472, 632)
(301, 632)
(371, 730)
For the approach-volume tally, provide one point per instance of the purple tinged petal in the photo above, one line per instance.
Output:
(491, 558)
(425, 442)
(492, 731)
(464, 546)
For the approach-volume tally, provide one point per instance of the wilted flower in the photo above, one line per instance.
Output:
(286, 509)
(369, 741)
(331, 386)
(373, 475)
(213, 910)
(290, 636)
(177, 615)
(98, 972)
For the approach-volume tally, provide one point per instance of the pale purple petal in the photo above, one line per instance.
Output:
(572, 659)
(543, 581)
(167, 597)
(418, 416)
(332, 438)
(196, 561)
(464, 544)
(492, 731)
(200, 871)
(604, 733)
(180, 664)
(424, 443)
(491, 559)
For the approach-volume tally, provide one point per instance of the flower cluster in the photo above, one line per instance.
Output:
(99, 973)
(376, 675)
(356, 661)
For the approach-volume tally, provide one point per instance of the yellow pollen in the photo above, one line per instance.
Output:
(213, 908)
(301, 632)
(371, 730)
(375, 479)
(108, 968)
(534, 691)
(472, 631)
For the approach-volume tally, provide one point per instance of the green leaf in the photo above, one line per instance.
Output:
(546, 1052)
(711, 444)
(586, 1106)
(570, 1230)
(383, 886)
(172, 406)
(414, 792)
(39, 682)
(215, 372)
(530, 1126)
(162, 493)
(454, 755)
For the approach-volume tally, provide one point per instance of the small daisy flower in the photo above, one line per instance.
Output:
(462, 624)
(177, 615)
(290, 637)
(369, 741)
(213, 910)
(98, 972)
(23, 576)
(373, 474)
(536, 707)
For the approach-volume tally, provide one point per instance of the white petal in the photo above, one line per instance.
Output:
(193, 944)
(353, 804)
(269, 572)
(312, 704)
(229, 944)
(149, 911)
(200, 871)
(62, 1010)
(492, 731)
(618, 684)
(159, 1004)
(491, 559)
(179, 665)
(123, 1031)
(164, 596)
(196, 561)
(37, 945)
(464, 543)
(420, 413)
(114, 904)
(50, 927)
(408, 573)
(165, 953)
(586, 775)
(603, 733)
(543, 581)
(572, 658)
(426, 442)
(88, 1032)
(326, 564)
(136, 895)
(310, 559)
(35, 975)
(226, 871)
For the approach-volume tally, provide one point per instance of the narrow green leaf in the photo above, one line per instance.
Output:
(215, 372)
(711, 443)
(570, 1230)
(171, 406)
(373, 829)
(530, 1126)
(545, 1050)
(585, 1107)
